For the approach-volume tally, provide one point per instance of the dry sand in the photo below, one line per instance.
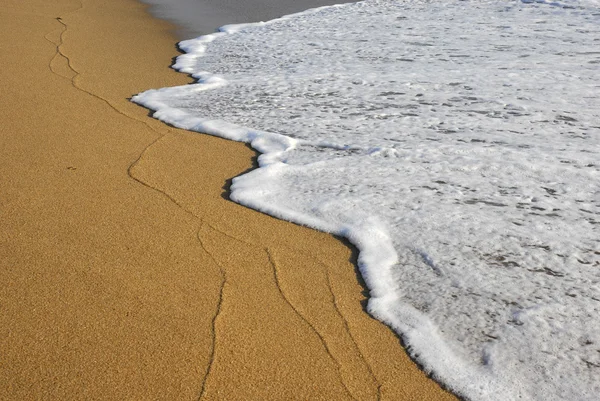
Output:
(125, 271)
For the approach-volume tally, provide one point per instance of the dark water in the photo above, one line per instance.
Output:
(200, 17)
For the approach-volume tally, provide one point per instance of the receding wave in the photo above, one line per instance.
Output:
(457, 145)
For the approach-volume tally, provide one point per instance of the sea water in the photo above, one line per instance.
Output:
(457, 145)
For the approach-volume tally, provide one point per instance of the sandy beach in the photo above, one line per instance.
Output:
(127, 273)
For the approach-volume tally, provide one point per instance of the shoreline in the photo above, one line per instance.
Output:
(127, 272)
(184, 14)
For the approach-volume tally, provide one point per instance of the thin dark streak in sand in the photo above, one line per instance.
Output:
(301, 316)
(333, 300)
(347, 328)
(74, 78)
(215, 317)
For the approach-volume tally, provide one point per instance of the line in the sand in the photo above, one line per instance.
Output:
(106, 291)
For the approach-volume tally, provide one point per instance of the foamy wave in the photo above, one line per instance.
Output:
(456, 144)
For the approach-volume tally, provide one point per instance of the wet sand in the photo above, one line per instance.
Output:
(193, 18)
(126, 273)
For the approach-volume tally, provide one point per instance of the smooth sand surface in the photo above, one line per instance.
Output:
(125, 272)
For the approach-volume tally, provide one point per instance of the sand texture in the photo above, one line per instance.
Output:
(126, 273)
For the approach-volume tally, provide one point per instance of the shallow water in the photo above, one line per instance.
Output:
(457, 145)
(200, 17)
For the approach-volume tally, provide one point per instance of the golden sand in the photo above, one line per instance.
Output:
(126, 273)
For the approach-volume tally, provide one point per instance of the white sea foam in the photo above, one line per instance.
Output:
(457, 145)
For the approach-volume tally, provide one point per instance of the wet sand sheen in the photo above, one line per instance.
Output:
(200, 17)
(126, 272)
